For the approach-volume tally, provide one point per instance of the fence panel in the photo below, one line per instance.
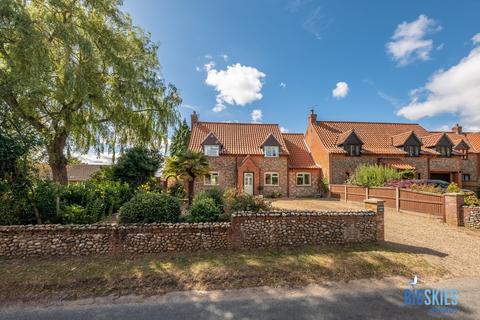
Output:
(428, 203)
(355, 193)
(337, 191)
(389, 195)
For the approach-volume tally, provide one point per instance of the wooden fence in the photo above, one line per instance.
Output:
(400, 199)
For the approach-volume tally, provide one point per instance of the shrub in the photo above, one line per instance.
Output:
(426, 188)
(204, 209)
(136, 166)
(45, 197)
(453, 188)
(471, 201)
(147, 207)
(216, 194)
(235, 201)
(78, 215)
(374, 175)
(177, 190)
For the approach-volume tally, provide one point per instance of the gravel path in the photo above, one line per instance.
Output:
(457, 249)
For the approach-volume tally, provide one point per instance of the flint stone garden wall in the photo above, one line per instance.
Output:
(471, 217)
(245, 231)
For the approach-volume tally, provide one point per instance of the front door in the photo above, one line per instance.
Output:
(248, 182)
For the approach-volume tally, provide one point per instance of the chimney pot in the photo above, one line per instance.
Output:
(193, 118)
(312, 117)
(457, 129)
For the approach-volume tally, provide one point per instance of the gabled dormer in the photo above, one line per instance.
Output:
(350, 142)
(440, 142)
(462, 147)
(211, 145)
(271, 146)
(409, 142)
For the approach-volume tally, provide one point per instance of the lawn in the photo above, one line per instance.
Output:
(71, 278)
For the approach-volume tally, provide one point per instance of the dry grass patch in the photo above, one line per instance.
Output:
(70, 278)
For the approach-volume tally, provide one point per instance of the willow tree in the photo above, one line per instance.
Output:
(83, 76)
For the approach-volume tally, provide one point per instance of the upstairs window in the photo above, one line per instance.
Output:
(464, 154)
(354, 150)
(211, 150)
(444, 151)
(413, 151)
(271, 151)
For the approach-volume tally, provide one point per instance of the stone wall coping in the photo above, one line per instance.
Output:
(471, 207)
(373, 201)
(303, 213)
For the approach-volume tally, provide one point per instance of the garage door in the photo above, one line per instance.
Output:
(440, 176)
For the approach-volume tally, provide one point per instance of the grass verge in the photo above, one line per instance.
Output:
(72, 278)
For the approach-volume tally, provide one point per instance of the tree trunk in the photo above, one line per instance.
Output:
(191, 183)
(57, 160)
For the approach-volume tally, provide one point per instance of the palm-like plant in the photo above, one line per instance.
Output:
(188, 165)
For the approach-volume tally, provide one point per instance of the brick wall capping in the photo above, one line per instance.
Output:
(305, 213)
(374, 201)
(454, 194)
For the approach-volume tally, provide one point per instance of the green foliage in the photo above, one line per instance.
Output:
(189, 165)
(408, 174)
(136, 166)
(180, 139)
(367, 175)
(146, 207)
(75, 214)
(235, 201)
(204, 209)
(216, 194)
(471, 200)
(426, 188)
(177, 190)
(46, 198)
(453, 188)
(80, 73)
(324, 185)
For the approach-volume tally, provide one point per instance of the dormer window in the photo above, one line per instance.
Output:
(271, 151)
(444, 151)
(412, 151)
(211, 150)
(464, 154)
(353, 150)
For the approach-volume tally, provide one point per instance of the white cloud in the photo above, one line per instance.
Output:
(208, 57)
(283, 84)
(256, 116)
(284, 130)
(455, 90)
(209, 66)
(476, 38)
(224, 57)
(237, 85)
(341, 90)
(408, 42)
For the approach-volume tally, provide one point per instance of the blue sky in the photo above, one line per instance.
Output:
(283, 57)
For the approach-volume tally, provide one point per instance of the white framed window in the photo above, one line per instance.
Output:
(271, 151)
(271, 178)
(354, 150)
(211, 150)
(413, 151)
(211, 179)
(303, 179)
(466, 177)
(445, 151)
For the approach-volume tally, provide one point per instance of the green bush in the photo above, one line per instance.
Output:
(177, 190)
(235, 201)
(367, 175)
(204, 209)
(471, 200)
(75, 214)
(453, 188)
(45, 197)
(215, 194)
(147, 207)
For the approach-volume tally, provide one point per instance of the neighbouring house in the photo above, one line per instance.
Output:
(260, 159)
(254, 158)
(76, 173)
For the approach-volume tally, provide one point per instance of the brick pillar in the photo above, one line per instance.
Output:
(453, 208)
(377, 206)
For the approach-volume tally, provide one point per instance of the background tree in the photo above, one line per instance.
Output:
(188, 165)
(180, 139)
(80, 73)
(136, 166)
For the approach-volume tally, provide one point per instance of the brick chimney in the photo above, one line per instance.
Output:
(193, 118)
(312, 117)
(457, 129)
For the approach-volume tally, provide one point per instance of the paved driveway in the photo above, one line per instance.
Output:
(455, 248)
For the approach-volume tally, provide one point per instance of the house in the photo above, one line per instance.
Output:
(254, 158)
(76, 173)
(338, 147)
(260, 159)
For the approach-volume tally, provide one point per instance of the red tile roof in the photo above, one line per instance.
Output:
(396, 163)
(237, 138)
(300, 156)
(376, 136)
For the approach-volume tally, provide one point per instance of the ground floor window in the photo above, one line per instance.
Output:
(303, 179)
(211, 179)
(271, 178)
(466, 177)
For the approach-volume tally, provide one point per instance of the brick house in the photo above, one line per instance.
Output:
(260, 159)
(254, 158)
